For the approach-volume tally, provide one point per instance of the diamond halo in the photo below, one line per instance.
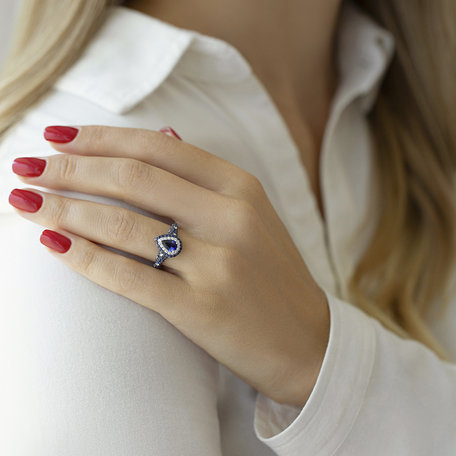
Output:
(169, 245)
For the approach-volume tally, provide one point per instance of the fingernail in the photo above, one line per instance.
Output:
(55, 241)
(60, 134)
(170, 132)
(28, 166)
(25, 200)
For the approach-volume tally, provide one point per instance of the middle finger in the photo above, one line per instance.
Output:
(137, 183)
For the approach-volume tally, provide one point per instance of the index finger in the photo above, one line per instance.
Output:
(150, 146)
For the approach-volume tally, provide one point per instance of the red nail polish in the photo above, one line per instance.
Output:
(60, 134)
(170, 132)
(28, 166)
(55, 241)
(25, 200)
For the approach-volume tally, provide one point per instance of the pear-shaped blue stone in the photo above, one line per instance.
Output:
(170, 245)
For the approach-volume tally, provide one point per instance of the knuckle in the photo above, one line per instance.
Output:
(249, 187)
(66, 167)
(207, 308)
(59, 211)
(228, 260)
(255, 185)
(129, 172)
(97, 137)
(120, 226)
(211, 312)
(85, 261)
(211, 293)
(126, 278)
(243, 217)
(149, 140)
(153, 139)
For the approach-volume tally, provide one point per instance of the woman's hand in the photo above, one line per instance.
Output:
(239, 289)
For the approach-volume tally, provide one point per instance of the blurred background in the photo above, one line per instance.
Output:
(8, 11)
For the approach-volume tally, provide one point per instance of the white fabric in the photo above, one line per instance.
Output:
(87, 372)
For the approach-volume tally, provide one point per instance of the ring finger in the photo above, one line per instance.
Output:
(109, 225)
(140, 184)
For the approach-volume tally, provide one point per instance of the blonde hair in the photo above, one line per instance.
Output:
(408, 263)
(49, 38)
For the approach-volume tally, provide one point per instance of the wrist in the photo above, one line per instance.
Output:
(303, 377)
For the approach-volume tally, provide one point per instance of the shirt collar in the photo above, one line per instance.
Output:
(133, 53)
(365, 50)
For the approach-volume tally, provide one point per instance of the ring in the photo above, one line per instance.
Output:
(169, 245)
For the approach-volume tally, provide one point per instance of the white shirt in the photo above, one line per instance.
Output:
(89, 372)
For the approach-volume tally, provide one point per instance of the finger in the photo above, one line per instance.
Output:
(182, 159)
(137, 183)
(108, 225)
(152, 288)
(154, 147)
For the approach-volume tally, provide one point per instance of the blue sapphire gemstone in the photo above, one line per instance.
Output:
(170, 245)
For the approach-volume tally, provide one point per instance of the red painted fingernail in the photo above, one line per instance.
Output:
(25, 200)
(55, 241)
(170, 132)
(59, 134)
(28, 166)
